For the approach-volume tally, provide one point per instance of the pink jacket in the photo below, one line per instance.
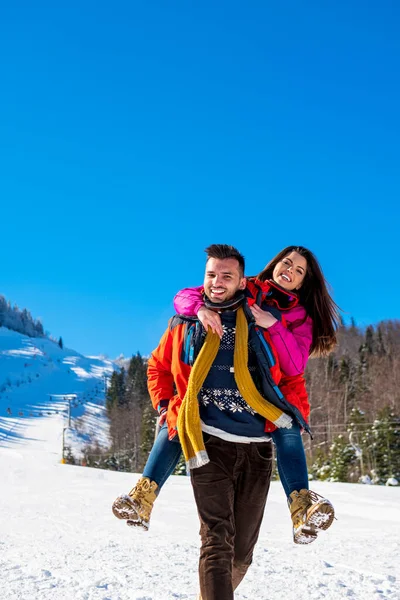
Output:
(292, 343)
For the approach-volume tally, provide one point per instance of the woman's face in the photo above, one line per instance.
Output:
(289, 272)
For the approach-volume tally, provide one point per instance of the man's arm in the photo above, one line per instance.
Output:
(160, 380)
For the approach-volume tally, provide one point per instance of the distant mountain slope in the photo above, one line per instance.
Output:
(38, 378)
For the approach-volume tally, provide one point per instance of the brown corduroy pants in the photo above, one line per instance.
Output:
(230, 493)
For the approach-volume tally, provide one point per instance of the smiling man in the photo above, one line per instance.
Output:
(224, 277)
(230, 489)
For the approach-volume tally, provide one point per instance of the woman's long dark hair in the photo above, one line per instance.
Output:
(315, 298)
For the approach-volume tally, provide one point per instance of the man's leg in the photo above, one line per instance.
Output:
(251, 490)
(213, 487)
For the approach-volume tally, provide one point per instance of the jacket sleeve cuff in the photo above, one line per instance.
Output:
(198, 306)
(162, 405)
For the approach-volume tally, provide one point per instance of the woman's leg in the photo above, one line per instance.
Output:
(310, 512)
(163, 458)
(291, 459)
(136, 507)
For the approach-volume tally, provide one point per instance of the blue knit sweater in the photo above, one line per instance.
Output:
(221, 404)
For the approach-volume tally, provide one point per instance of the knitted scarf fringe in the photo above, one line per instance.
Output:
(189, 425)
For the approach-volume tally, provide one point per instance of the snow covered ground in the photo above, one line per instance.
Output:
(60, 541)
(38, 378)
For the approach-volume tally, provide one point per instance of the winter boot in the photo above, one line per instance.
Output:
(311, 513)
(136, 507)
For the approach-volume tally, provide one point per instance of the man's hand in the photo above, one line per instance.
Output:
(209, 318)
(263, 317)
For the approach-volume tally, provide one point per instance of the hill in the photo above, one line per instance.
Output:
(38, 378)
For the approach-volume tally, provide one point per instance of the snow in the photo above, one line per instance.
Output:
(60, 541)
(37, 377)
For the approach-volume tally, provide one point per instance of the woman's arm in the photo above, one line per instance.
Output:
(292, 344)
(190, 302)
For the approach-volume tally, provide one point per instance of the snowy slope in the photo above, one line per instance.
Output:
(60, 541)
(39, 378)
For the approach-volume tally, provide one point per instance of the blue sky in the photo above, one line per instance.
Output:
(134, 134)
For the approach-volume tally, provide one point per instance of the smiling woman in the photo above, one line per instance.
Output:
(307, 279)
(290, 271)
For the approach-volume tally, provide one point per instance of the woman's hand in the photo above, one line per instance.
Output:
(209, 318)
(263, 317)
(162, 417)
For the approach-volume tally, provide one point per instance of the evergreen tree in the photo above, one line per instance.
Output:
(380, 344)
(115, 390)
(143, 416)
(180, 468)
(341, 457)
(369, 340)
(39, 328)
(136, 388)
(60, 343)
(149, 420)
(385, 436)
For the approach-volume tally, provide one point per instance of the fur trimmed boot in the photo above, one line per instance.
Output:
(136, 507)
(311, 513)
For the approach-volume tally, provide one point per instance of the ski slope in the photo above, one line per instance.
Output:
(60, 541)
(39, 378)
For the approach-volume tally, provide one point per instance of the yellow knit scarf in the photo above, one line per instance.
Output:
(189, 426)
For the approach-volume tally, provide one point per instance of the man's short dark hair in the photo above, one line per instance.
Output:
(222, 251)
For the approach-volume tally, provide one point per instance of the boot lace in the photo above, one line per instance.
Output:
(313, 497)
(140, 492)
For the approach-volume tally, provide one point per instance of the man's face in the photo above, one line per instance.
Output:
(223, 279)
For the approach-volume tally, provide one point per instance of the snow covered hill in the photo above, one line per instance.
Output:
(39, 378)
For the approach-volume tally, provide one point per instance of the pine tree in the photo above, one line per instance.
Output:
(341, 457)
(138, 401)
(136, 388)
(370, 340)
(380, 343)
(115, 390)
(180, 468)
(149, 420)
(121, 376)
(385, 434)
(60, 343)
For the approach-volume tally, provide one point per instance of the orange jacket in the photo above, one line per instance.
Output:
(170, 364)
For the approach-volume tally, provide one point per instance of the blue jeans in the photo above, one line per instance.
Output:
(291, 458)
(163, 458)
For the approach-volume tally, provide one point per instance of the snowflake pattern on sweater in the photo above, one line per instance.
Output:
(220, 387)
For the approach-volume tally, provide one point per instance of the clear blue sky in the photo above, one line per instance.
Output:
(133, 134)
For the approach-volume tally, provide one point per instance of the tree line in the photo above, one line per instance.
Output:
(355, 406)
(19, 320)
(132, 420)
